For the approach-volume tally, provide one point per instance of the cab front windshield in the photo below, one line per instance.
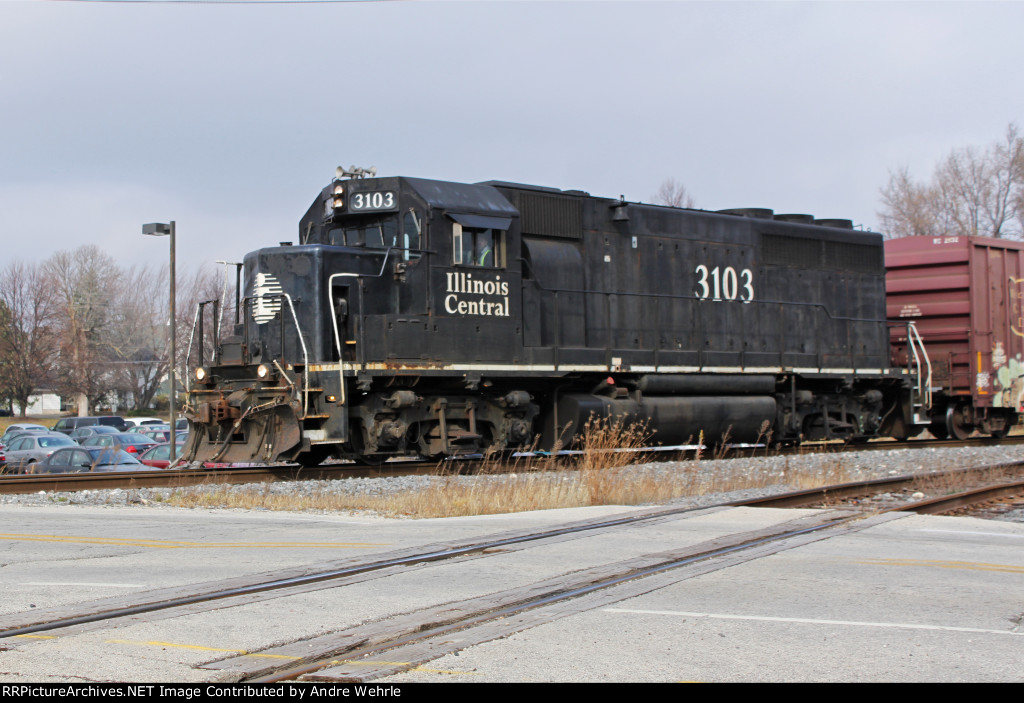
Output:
(372, 233)
(381, 233)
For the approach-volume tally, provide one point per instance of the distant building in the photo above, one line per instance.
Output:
(42, 403)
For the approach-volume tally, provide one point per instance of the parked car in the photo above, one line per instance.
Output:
(113, 421)
(18, 430)
(158, 434)
(20, 426)
(82, 432)
(131, 443)
(81, 459)
(139, 421)
(28, 450)
(68, 424)
(159, 457)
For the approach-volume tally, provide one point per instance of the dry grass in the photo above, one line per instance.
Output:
(600, 472)
(953, 482)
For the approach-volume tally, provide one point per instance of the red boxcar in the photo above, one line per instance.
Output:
(963, 295)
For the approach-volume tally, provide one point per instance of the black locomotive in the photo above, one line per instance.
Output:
(431, 318)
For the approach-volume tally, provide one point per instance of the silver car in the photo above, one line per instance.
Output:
(80, 433)
(26, 451)
(15, 430)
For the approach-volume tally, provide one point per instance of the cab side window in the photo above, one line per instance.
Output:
(411, 235)
(472, 246)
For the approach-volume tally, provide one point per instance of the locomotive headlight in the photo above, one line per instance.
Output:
(201, 374)
(263, 371)
(338, 201)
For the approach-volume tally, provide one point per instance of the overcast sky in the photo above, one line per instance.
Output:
(229, 118)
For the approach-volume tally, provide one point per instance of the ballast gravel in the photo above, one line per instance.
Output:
(773, 471)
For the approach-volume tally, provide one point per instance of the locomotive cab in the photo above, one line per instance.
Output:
(393, 281)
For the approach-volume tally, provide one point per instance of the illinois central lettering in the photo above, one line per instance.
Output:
(474, 296)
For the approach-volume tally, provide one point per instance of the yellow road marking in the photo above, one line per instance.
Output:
(941, 564)
(38, 637)
(201, 648)
(170, 544)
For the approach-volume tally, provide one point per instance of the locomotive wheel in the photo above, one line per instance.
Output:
(1001, 433)
(957, 424)
(938, 430)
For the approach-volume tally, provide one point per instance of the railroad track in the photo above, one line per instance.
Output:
(960, 489)
(22, 484)
(386, 646)
(379, 648)
(170, 478)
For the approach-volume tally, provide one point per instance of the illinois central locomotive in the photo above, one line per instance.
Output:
(431, 318)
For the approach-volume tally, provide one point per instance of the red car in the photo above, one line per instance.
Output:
(159, 457)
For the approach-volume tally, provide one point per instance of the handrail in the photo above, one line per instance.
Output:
(245, 304)
(914, 342)
(196, 321)
(334, 317)
(305, 356)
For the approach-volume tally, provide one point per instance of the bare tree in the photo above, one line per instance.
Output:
(911, 208)
(136, 334)
(27, 334)
(673, 193)
(973, 192)
(82, 282)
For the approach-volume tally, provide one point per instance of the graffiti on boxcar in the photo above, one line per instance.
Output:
(1016, 309)
(1009, 380)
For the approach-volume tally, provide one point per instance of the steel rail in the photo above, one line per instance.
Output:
(846, 491)
(965, 499)
(11, 484)
(374, 565)
(175, 478)
(550, 598)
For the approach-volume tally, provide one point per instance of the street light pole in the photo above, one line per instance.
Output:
(159, 229)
